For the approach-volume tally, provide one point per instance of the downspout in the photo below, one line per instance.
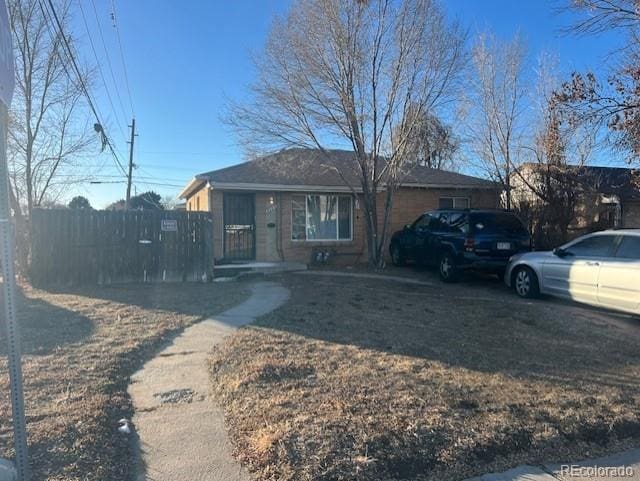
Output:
(279, 227)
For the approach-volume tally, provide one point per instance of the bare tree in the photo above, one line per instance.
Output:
(554, 180)
(497, 103)
(49, 126)
(598, 16)
(614, 102)
(348, 71)
(431, 143)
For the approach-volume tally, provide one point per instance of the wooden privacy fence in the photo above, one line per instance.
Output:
(102, 247)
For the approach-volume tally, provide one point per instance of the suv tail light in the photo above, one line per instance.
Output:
(469, 244)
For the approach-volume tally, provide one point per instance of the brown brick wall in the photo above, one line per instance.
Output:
(631, 215)
(199, 201)
(266, 211)
(218, 228)
(407, 206)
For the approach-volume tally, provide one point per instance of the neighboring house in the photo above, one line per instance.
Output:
(304, 205)
(609, 197)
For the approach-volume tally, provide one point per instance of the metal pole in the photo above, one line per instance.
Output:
(9, 283)
(130, 173)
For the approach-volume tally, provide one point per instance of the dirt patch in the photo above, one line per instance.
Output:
(80, 348)
(358, 379)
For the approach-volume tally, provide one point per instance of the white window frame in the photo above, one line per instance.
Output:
(453, 201)
(306, 216)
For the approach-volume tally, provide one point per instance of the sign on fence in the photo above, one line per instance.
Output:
(72, 247)
(169, 225)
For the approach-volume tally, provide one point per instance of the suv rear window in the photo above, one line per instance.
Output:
(501, 222)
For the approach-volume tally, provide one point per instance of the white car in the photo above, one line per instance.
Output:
(601, 269)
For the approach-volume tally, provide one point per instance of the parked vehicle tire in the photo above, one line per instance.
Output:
(448, 268)
(397, 256)
(525, 283)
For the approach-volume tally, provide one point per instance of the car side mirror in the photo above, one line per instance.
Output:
(560, 252)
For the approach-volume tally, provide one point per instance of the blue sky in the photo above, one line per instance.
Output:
(184, 59)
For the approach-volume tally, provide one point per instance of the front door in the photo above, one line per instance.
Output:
(239, 227)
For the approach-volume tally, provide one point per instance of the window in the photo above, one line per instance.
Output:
(422, 222)
(596, 246)
(321, 217)
(437, 223)
(454, 202)
(629, 248)
(458, 223)
(498, 222)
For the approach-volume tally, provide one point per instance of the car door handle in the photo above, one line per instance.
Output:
(593, 263)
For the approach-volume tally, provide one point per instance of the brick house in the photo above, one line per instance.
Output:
(303, 204)
(609, 196)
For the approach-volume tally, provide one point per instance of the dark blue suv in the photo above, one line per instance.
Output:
(455, 240)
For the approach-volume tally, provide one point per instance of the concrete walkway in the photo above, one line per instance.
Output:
(618, 466)
(364, 275)
(181, 430)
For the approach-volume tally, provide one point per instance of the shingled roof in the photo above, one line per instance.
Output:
(312, 169)
(619, 181)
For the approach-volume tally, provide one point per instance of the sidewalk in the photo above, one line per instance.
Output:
(621, 466)
(180, 428)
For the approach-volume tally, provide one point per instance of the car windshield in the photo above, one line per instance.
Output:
(500, 222)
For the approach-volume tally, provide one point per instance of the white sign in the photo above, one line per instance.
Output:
(7, 73)
(169, 225)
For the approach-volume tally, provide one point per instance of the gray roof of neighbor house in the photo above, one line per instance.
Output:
(313, 169)
(620, 181)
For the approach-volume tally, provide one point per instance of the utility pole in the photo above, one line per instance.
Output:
(133, 138)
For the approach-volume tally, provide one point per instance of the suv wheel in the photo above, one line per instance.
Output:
(397, 258)
(449, 271)
(525, 283)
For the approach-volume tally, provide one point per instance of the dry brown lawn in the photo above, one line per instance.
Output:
(80, 347)
(374, 380)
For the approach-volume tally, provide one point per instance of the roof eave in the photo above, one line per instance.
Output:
(193, 185)
(337, 188)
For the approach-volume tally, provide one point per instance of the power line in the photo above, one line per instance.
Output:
(113, 176)
(161, 184)
(95, 54)
(124, 64)
(92, 106)
(106, 52)
(177, 152)
(138, 182)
